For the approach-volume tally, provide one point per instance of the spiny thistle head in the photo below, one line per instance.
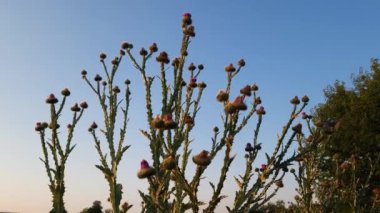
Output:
(189, 31)
(94, 125)
(65, 92)
(115, 61)
(116, 89)
(249, 148)
(145, 170)
(83, 73)
(175, 62)
(189, 120)
(51, 99)
(258, 100)
(230, 108)
(202, 159)
(186, 19)
(230, 68)
(201, 67)
(39, 127)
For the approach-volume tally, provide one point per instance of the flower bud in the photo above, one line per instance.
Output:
(216, 129)
(84, 72)
(200, 67)
(222, 96)
(115, 61)
(122, 52)
(189, 120)
(116, 89)
(157, 123)
(168, 122)
(153, 48)
(163, 58)
(193, 83)
(38, 127)
(254, 87)
(75, 108)
(305, 99)
(241, 63)
(295, 100)
(143, 52)
(297, 128)
(126, 45)
(102, 56)
(127, 82)
(168, 163)
(261, 111)
(97, 78)
(246, 91)
(202, 85)
(65, 92)
(257, 100)
(93, 125)
(239, 103)
(84, 105)
(292, 170)
(191, 67)
(279, 183)
(230, 108)
(249, 148)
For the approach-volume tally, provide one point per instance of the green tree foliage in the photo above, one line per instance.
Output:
(350, 170)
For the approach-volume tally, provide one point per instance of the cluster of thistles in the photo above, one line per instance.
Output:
(187, 27)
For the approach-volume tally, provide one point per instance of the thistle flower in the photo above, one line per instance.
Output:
(97, 78)
(75, 108)
(249, 148)
(125, 45)
(257, 100)
(163, 58)
(202, 159)
(157, 123)
(168, 122)
(145, 170)
(246, 91)
(295, 100)
(143, 52)
(263, 167)
(84, 105)
(254, 87)
(51, 99)
(305, 99)
(239, 103)
(202, 85)
(65, 92)
(230, 68)
(222, 96)
(39, 127)
(116, 89)
(102, 56)
(241, 63)
(304, 115)
(93, 125)
(193, 83)
(230, 108)
(168, 163)
(191, 67)
(153, 48)
(261, 111)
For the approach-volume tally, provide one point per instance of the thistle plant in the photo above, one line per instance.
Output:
(53, 149)
(108, 95)
(169, 136)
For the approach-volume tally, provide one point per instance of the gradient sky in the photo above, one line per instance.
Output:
(292, 47)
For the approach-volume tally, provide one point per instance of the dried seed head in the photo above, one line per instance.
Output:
(75, 108)
(38, 127)
(51, 99)
(84, 105)
(143, 52)
(241, 63)
(230, 68)
(202, 159)
(295, 100)
(65, 92)
(163, 58)
(246, 91)
(153, 48)
(222, 96)
(97, 78)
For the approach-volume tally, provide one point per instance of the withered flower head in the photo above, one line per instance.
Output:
(202, 159)
(249, 148)
(125, 45)
(230, 108)
(169, 123)
(157, 123)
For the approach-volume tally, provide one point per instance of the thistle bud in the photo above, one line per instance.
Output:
(230, 108)
(254, 87)
(168, 122)
(202, 85)
(279, 183)
(125, 45)
(115, 61)
(75, 108)
(295, 100)
(175, 62)
(246, 91)
(122, 52)
(216, 129)
(261, 111)
(222, 96)
(292, 170)
(193, 83)
(241, 63)
(97, 78)
(145, 170)
(168, 163)
(153, 48)
(143, 52)
(202, 159)
(116, 89)
(297, 128)
(104, 83)
(258, 100)
(51, 99)
(239, 103)
(163, 58)
(102, 56)
(200, 67)
(93, 125)
(230, 68)
(127, 82)
(65, 92)
(84, 73)
(189, 120)
(191, 67)
(84, 105)
(305, 99)
(157, 123)
(38, 127)
(249, 148)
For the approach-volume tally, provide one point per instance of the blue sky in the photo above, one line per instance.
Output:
(291, 48)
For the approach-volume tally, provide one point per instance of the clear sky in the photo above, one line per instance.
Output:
(292, 47)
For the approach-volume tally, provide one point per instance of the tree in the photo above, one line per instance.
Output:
(350, 170)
